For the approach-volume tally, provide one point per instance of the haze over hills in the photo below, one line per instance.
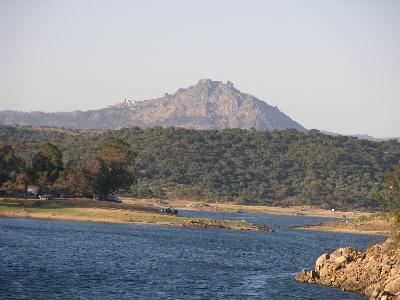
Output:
(362, 136)
(205, 105)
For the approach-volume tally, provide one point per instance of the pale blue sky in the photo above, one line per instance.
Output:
(330, 65)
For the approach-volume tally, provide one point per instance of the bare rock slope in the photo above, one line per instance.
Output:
(206, 105)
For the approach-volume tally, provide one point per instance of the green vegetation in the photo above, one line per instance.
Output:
(8, 162)
(389, 198)
(45, 166)
(246, 166)
(110, 169)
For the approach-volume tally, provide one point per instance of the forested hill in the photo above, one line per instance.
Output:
(279, 167)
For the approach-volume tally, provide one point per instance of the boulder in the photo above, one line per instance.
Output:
(321, 261)
(392, 285)
(341, 260)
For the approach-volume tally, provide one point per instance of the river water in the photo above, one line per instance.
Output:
(81, 260)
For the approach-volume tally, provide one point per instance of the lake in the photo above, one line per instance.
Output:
(81, 260)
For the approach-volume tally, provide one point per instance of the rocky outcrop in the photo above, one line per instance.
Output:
(205, 105)
(374, 272)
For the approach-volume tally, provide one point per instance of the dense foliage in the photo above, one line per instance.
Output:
(389, 198)
(8, 162)
(107, 170)
(279, 167)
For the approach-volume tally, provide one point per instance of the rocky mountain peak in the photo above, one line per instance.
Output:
(210, 85)
(206, 105)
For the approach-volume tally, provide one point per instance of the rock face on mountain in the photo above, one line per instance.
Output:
(206, 105)
(374, 273)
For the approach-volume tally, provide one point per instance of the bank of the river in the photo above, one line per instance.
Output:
(374, 225)
(146, 211)
(253, 209)
(100, 211)
(374, 272)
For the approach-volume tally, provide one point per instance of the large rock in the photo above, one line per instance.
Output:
(374, 273)
(392, 285)
(321, 261)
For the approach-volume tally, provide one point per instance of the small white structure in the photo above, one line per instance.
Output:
(33, 191)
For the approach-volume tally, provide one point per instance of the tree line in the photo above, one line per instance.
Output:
(246, 166)
(109, 170)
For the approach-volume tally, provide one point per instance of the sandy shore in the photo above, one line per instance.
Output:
(231, 207)
(355, 222)
(146, 211)
(372, 225)
(101, 211)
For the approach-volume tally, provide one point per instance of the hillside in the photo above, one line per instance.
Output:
(245, 166)
(206, 105)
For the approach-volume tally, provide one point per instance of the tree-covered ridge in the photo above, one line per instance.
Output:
(279, 167)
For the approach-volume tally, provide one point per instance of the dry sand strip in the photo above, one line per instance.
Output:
(254, 209)
(99, 211)
(373, 225)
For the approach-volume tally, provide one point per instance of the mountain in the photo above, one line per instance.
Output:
(206, 105)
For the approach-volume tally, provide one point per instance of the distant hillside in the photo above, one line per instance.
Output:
(206, 105)
(247, 166)
(363, 136)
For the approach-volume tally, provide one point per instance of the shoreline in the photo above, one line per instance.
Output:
(107, 212)
(341, 230)
(374, 272)
(303, 210)
(147, 211)
(371, 225)
(351, 222)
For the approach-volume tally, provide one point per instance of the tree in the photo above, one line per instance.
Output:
(46, 166)
(8, 162)
(78, 179)
(112, 169)
(389, 199)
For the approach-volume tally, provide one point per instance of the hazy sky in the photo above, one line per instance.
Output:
(330, 65)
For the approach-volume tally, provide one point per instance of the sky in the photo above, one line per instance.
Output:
(329, 65)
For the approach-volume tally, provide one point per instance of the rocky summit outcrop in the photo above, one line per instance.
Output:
(205, 105)
(374, 272)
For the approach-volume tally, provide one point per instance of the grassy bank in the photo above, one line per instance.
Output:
(99, 211)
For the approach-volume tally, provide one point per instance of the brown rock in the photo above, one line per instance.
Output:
(392, 285)
(374, 273)
(321, 261)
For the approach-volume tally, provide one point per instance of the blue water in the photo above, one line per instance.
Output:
(82, 260)
(274, 221)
